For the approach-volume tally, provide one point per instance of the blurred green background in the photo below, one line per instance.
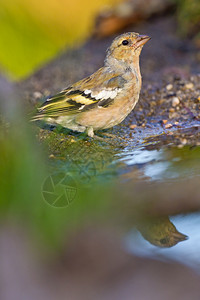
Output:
(33, 31)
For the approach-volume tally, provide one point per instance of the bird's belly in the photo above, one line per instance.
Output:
(102, 118)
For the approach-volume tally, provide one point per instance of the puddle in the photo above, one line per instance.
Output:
(163, 164)
(162, 167)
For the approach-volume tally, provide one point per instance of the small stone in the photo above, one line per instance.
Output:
(168, 125)
(169, 87)
(161, 101)
(132, 126)
(173, 115)
(164, 121)
(175, 101)
(143, 125)
(198, 98)
(176, 123)
(183, 141)
(171, 110)
(180, 146)
(37, 95)
(46, 92)
(189, 85)
(51, 156)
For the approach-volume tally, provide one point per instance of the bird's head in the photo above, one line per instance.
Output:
(126, 47)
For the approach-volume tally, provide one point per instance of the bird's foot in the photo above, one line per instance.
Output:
(110, 135)
(90, 131)
(102, 136)
(102, 139)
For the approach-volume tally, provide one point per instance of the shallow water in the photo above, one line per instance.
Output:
(155, 160)
(169, 163)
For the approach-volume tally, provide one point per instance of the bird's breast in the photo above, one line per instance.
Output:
(106, 117)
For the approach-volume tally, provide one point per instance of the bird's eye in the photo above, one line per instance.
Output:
(125, 42)
(163, 241)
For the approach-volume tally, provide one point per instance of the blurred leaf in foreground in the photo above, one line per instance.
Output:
(24, 174)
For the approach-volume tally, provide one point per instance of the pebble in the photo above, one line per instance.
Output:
(183, 141)
(168, 125)
(169, 87)
(189, 85)
(161, 101)
(46, 92)
(180, 146)
(37, 95)
(164, 121)
(132, 126)
(173, 115)
(175, 101)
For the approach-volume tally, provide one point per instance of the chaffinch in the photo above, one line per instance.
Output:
(160, 231)
(106, 97)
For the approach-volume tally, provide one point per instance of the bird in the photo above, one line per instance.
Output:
(160, 231)
(103, 99)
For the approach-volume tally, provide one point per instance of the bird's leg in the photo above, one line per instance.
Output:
(90, 131)
(102, 139)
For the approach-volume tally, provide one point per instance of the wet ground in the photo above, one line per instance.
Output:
(155, 157)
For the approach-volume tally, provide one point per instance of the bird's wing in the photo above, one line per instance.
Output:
(98, 89)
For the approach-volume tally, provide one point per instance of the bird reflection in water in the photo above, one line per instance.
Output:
(161, 232)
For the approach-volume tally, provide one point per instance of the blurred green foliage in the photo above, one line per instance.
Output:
(22, 174)
(188, 13)
(32, 32)
(24, 169)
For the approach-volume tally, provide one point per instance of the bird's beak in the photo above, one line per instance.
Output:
(141, 40)
(179, 237)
